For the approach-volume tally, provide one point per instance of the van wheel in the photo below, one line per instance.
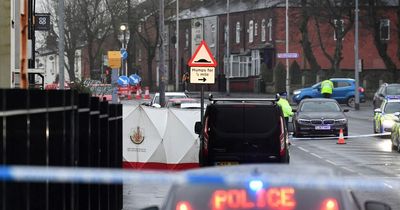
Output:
(351, 102)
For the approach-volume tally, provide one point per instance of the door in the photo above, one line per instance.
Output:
(341, 90)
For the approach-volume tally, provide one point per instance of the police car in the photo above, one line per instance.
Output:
(386, 116)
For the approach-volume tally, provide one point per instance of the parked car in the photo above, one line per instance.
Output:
(383, 91)
(185, 103)
(343, 92)
(319, 116)
(155, 102)
(387, 114)
(102, 91)
(238, 131)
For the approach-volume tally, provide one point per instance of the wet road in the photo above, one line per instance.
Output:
(360, 157)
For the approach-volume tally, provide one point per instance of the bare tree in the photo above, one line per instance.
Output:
(94, 21)
(375, 14)
(306, 44)
(339, 17)
(148, 32)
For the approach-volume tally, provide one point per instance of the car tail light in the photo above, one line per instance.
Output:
(282, 138)
(361, 89)
(183, 205)
(330, 204)
(206, 136)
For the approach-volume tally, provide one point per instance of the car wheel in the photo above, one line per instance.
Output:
(351, 102)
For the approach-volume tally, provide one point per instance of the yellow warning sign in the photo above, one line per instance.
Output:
(114, 59)
(202, 75)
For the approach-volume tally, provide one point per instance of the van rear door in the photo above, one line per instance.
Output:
(226, 134)
(262, 129)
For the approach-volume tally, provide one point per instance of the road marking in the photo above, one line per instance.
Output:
(348, 169)
(313, 154)
(388, 185)
(303, 149)
(331, 162)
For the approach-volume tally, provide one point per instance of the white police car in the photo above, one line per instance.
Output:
(387, 114)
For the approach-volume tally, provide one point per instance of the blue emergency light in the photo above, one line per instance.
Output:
(393, 97)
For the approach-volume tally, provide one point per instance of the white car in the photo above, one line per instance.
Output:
(155, 102)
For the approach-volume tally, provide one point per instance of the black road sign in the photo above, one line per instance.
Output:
(42, 21)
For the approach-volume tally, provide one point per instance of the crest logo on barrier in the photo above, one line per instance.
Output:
(137, 135)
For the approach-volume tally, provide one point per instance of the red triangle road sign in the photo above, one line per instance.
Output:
(202, 57)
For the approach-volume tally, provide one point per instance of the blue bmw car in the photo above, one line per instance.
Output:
(343, 92)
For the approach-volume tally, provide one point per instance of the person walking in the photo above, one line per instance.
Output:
(326, 88)
(185, 81)
(285, 106)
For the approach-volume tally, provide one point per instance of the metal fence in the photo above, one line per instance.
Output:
(59, 128)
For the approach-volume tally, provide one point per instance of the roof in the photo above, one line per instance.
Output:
(343, 79)
(318, 99)
(215, 8)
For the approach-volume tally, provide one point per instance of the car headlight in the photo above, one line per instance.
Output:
(388, 123)
(304, 121)
(341, 121)
(296, 92)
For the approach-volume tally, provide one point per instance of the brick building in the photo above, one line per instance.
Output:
(257, 34)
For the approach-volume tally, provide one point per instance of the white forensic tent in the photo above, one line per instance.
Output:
(159, 138)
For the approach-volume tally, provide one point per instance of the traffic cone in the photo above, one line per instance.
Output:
(138, 94)
(129, 94)
(341, 138)
(146, 93)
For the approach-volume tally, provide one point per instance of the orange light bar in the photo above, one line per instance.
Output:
(330, 204)
(183, 205)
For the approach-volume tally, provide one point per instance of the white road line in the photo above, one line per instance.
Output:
(388, 185)
(348, 169)
(303, 149)
(331, 162)
(313, 154)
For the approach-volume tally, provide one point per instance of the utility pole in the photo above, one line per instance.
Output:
(356, 65)
(24, 38)
(161, 68)
(228, 59)
(287, 51)
(61, 42)
(177, 48)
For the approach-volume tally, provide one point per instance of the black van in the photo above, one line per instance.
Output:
(238, 131)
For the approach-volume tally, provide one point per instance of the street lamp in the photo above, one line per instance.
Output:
(123, 27)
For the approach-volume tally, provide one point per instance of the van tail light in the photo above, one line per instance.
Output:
(183, 205)
(206, 136)
(282, 138)
(361, 89)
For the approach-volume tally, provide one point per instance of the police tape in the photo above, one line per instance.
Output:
(346, 137)
(43, 174)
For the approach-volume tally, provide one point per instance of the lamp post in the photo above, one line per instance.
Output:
(356, 62)
(227, 70)
(177, 47)
(123, 28)
(287, 50)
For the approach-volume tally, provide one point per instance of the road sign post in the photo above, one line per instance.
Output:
(202, 71)
(114, 61)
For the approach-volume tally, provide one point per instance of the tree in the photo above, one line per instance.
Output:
(73, 33)
(305, 39)
(94, 21)
(339, 17)
(375, 14)
(148, 32)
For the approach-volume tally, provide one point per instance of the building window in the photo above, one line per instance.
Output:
(339, 27)
(186, 38)
(240, 66)
(270, 29)
(263, 30)
(255, 29)
(237, 32)
(251, 31)
(255, 63)
(384, 27)
(212, 35)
